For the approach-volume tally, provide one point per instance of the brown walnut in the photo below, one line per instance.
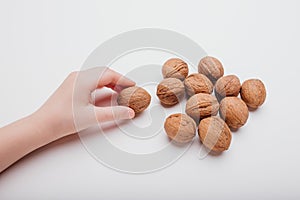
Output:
(175, 68)
(170, 91)
(214, 134)
(180, 128)
(253, 93)
(227, 86)
(211, 67)
(134, 97)
(234, 111)
(202, 105)
(198, 83)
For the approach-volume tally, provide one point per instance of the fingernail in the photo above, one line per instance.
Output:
(131, 113)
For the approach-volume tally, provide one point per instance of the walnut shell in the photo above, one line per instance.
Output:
(202, 105)
(180, 128)
(253, 92)
(211, 67)
(175, 68)
(234, 111)
(227, 86)
(198, 83)
(170, 91)
(214, 134)
(134, 97)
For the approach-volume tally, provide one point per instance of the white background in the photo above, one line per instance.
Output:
(41, 42)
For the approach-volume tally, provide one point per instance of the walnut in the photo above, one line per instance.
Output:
(227, 86)
(198, 83)
(253, 93)
(211, 67)
(170, 91)
(202, 105)
(234, 111)
(180, 128)
(134, 97)
(175, 68)
(214, 134)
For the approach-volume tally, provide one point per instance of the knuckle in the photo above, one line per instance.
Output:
(106, 70)
(73, 74)
(102, 69)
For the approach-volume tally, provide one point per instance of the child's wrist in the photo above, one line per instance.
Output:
(45, 125)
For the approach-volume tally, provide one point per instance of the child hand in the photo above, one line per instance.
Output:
(70, 109)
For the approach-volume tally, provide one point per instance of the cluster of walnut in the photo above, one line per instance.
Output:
(202, 107)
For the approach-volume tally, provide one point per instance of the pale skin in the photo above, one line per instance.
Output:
(56, 118)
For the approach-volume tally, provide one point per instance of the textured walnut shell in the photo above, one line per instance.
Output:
(214, 134)
(180, 128)
(198, 83)
(202, 105)
(234, 111)
(134, 97)
(170, 91)
(175, 68)
(227, 86)
(253, 92)
(211, 67)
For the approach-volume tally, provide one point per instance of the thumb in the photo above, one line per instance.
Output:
(104, 114)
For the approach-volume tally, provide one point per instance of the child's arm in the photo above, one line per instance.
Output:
(22, 137)
(55, 119)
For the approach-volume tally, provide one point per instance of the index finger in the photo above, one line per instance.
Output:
(102, 76)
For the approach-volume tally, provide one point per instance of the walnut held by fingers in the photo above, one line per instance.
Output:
(180, 128)
(134, 97)
(175, 68)
(170, 91)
